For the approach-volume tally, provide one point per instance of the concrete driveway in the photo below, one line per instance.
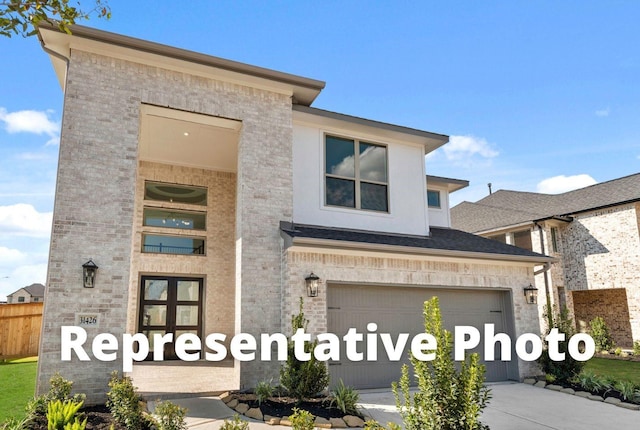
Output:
(524, 407)
(513, 406)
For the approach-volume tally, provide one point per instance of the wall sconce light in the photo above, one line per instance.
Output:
(312, 284)
(89, 270)
(531, 294)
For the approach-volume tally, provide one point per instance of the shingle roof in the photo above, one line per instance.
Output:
(441, 239)
(506, 208)
(36, 290)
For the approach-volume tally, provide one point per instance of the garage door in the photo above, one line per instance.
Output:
(399, 310)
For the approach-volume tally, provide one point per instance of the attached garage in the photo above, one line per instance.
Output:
(397, 309)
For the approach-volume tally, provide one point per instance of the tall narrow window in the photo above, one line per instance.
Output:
(170, 305)
(356, 174)
(554, 239)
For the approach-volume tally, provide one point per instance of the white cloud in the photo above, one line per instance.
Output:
(30, 121)
(24, 220)
(603, 112)
(9, 257)
(21, 276)
(561, 184)
(465, 149)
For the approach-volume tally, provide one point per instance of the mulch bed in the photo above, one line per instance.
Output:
(98, 418)
(283, 406)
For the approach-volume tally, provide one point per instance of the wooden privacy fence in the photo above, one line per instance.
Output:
(20, 326)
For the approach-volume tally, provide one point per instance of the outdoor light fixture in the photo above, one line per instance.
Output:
(89, 270)
(312, 284)
(531, 293)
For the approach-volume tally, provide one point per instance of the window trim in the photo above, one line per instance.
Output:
(174, 184)
(356, 178)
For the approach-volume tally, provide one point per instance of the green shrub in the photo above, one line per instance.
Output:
(124, 403)
(301, 420)
(59, 389)
(374, 425)
(14, 424)
(76, 425)
(627, 389)
(60, 413)
(567, 369)
(169, 416)
(303, 379)
(600, 333)
(636, 348)
(236, 424)
(263, 391)
(450, 395)
(592, 382)
(345, 399)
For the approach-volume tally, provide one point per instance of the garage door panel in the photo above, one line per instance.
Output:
(399, 310)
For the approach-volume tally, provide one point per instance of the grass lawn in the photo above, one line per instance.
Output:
(18, 386)
(616, 369)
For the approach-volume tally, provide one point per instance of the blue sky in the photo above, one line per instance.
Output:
(536, 96)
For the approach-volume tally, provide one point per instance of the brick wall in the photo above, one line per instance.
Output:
(611, 305)
(335, 267)
(95, 200)
(602, 251)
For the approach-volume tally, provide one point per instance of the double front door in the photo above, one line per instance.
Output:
(170, 305)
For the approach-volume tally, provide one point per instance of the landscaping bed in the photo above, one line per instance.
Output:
(278, 409)
(98, 418)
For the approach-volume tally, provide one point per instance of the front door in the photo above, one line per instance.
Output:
(170, 305)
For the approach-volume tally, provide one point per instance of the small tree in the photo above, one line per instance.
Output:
(569, 368)
(303, 379)
(23, 16)
(448, 398)
(600, 334)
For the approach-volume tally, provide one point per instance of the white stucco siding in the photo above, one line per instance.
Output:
(407, 193)
(439, 217)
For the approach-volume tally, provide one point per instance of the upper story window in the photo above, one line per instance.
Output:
(554, 239)
(356, 174)
(184, 220)
(522, 239)
(433, 199)
(160, 234)
(175, 193)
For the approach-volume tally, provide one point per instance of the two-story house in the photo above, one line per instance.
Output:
(30, 294)
(208, 191)
(594, 234)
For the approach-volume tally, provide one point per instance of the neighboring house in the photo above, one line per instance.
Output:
(593, 232)
(31, 294)
(207, 190)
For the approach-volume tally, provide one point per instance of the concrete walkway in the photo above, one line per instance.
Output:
(513, 406)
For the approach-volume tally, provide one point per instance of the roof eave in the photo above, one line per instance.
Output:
(340, 244)
(430, 140)
(305, 90)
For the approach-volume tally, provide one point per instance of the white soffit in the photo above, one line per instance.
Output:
(187, 139)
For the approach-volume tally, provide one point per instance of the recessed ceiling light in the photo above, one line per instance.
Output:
(186, 133)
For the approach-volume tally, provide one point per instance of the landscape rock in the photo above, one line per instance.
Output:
(322, 423)
(285, 422)
(254, 413)
(242, 408)
(612, 400)
(630, 406)
(233, 403)
(337, 423)
(353, 421)
(529, 381)
(553, 387)
(568, 391)
(595, 398)
(584, 394)
(540, 384)
(226, 398)
(273, 421)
